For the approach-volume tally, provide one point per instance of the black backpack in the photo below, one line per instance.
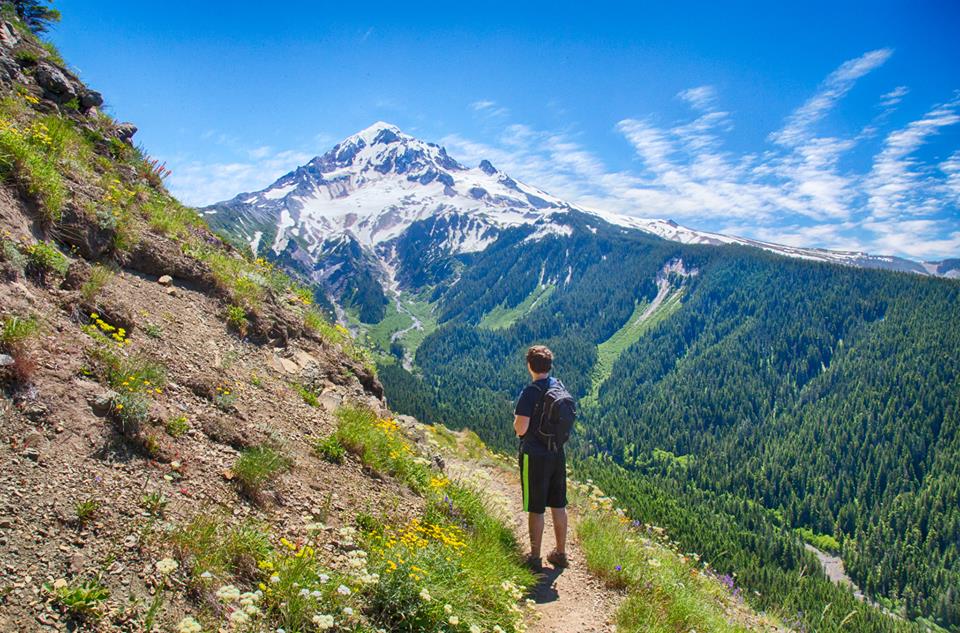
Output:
(555, 414)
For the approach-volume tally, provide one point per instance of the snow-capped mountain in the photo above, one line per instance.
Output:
(383, 208)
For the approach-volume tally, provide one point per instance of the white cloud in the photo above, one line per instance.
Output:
(797, 191)
(834, 88)
(899, 184)
(197, 183)
(893, 97)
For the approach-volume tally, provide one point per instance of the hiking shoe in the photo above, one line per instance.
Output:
(534, 563)
(558, 559)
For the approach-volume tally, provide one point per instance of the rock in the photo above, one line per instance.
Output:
(54, 83)
(289, 366)
(125, 132)
(171, 291)
(165, 280)
(6, 360)
(32, 454)
(77, 563)
(90, 99)
(6, 523)
(8, 35)
(76, 229)
(103, 402)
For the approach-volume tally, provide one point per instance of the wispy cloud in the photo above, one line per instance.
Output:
(489, 108)
(834, 88)
(200, 183)
(796, 190)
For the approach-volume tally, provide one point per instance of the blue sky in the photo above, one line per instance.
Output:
(832, 124)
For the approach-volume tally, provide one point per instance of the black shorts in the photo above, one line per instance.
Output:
(543, 480)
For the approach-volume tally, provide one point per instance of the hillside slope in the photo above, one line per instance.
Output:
(186, 444)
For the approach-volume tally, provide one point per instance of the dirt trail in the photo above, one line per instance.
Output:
(567, 600)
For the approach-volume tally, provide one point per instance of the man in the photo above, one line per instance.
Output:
(543, 472)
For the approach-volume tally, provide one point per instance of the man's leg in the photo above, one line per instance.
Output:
(535, 525)
(559, 516)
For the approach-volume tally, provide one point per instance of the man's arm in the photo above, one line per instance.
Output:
(520, 424)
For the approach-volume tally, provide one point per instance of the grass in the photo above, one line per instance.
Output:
(338, 336)
(380, 445)
(257, 467)
(330, 449)
(208, 544)
(454, 567)
(27, 158)
(99, 276)
(380, 334)
(666, 591)
(503, 317)
(636, 326)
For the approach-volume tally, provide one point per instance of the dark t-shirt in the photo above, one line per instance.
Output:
(529, 397)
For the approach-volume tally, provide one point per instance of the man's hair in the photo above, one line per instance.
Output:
(540, 358)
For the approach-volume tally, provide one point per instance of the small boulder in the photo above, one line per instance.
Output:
(90, 99)
(6, 360)
(125, 132)
(8, 35)
(54, 83)
(165, 280)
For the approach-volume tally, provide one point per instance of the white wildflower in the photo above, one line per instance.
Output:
(343, 590)
(447, 609)
(474, 628)
(425, 595)
(323, 621)
(453, 620)
(347, 611)
(167, 566)
(228, 593)
(323, 578)
(239, 618)
(189, 625)
(274, 579)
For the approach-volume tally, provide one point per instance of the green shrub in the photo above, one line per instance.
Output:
(154, 503)
(81, 600)
(26, 57)
(85, 510)
(177, 426)
(224, 398)
(99, 276)
(43, 258)
(257, 467)
(9, 252)
(16, 331)
(131, 409)
(308, 396)
(237, 319)
(330, 449)
(152, 330)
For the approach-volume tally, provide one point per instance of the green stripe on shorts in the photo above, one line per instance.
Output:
(526, 483)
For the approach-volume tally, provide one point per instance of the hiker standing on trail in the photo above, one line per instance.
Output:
(543, 420)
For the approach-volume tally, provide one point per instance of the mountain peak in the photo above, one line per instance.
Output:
(379, 132)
